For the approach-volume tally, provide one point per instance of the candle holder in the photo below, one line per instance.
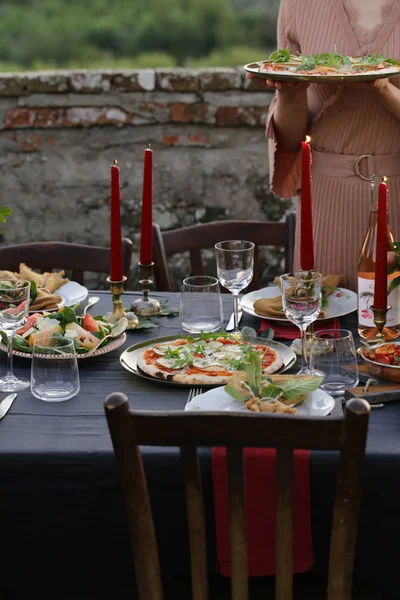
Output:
(145, 306)
(118, 311)
(380, 315)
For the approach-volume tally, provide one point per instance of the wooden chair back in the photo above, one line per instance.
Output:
(205, 235)
(72, 258)
(129, 429)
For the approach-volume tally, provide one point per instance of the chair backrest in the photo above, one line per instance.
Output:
(130, 429)
(205, 235)
(76, 258)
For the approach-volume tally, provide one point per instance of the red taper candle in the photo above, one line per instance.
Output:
(306, 227)
(116, 240)
(146, 238)
(380, 292)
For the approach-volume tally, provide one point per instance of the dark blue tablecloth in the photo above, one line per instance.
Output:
(62, 521)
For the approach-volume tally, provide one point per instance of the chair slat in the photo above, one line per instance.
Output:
(237, 520)
(196, 522)
(347, 502)
(284, 524)
(137, 502)
(77, 258)
(195, 262)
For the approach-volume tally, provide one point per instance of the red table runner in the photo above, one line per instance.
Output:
(260, 480)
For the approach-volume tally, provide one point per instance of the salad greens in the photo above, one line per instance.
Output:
(65, 324)
(251, 384)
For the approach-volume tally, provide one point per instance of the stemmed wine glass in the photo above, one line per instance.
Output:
(14, 309)
(235, 261)
(301, 301)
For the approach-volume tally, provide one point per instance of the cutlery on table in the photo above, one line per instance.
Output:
(91, 302)
(5, 404)
(193, 392)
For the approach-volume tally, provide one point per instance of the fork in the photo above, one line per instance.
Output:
(193, 392)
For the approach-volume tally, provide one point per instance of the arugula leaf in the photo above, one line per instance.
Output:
(169, 353)
(69, 315)
(280, 56)
(253, 366)
(213, 336)
(270, 391)
(232, 391)
(236, 364)
(267, 334)
(33, 292)
(293, 388)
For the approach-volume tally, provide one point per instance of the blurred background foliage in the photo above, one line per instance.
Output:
(50, 34)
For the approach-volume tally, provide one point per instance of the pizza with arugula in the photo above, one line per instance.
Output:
(206, 359)
(282, 62)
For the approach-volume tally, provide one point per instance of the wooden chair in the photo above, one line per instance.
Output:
(205, 235)
(76, 258)
(130, 429)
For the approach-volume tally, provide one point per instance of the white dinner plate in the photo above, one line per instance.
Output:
(71, 293)
(316, 404)
(341, 302)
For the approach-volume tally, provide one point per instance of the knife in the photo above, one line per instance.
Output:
(5, 404)
(231, 323)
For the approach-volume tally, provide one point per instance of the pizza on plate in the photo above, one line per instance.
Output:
(328, 64)
(204, 360)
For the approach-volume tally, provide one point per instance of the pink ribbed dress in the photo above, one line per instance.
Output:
(344, 124)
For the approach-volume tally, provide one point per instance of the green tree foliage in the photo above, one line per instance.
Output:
(85, 33)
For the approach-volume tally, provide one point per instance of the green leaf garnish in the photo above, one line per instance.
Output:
(232, 391)
(253, 366)
(293, 388)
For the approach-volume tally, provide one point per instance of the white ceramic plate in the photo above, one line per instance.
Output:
(71, 293)
(316, 404)
(112, 345)
(341, 302)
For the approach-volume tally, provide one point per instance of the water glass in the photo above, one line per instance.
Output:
(201, 304)
(235, 262)
(14, 310)
(333, 351)
(301, 301)
(54, 372)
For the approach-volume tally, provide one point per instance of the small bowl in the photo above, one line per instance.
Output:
(379, 370)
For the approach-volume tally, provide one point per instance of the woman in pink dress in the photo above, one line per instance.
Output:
(354, 128)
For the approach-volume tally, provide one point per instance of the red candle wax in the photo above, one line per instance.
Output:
(146, 238)
(115, 241)
(380, 292)
(306, 228)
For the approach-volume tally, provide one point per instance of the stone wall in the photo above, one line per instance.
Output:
(61, 131)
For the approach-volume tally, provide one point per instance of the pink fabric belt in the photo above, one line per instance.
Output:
(362, 166)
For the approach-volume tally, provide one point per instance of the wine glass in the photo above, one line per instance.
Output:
(14, 309)
(235, 261)
(301, 301)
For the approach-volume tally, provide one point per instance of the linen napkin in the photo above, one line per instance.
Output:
(288, 331)
(272, 307)
(260, 481)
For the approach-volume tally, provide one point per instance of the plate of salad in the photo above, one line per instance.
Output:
(250, 390)
(323, 67)
(85, 331)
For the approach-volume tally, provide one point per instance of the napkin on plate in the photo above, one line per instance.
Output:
(260, 479)
(272, 307)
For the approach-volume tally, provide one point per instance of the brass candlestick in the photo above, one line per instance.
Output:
(117, 289)
(145, 306)
(380, 315)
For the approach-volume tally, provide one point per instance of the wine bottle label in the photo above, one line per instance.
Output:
(366, 300)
